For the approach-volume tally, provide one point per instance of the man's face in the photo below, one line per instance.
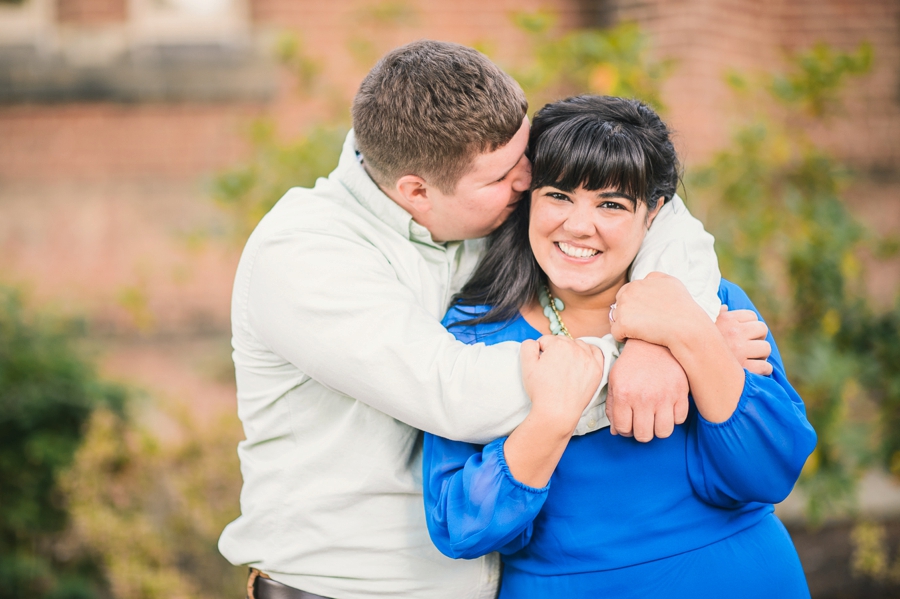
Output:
(485, 196)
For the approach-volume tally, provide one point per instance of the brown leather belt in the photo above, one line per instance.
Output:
(260, 586)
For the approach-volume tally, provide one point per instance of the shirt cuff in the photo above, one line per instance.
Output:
(594, 416)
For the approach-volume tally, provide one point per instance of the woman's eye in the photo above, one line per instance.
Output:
(558, 196)
(612, 206)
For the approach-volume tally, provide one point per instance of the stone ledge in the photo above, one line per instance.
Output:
(204, 73)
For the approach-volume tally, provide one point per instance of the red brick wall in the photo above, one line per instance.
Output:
(707, 37)
(91, 12)
(108, 141)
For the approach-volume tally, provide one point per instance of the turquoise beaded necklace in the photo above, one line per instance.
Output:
(552, 307)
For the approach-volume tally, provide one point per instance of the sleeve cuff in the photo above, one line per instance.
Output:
(739, 410)
(497, 448)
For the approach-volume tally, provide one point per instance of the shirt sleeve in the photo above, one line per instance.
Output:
(334, 308)
(758, 453)
(678, 245)
(473, 505)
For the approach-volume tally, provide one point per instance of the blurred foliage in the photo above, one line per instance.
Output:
(95, 505)
(775, 201)
(248, 192)
(47, 395)
(613, 62)
(152, 508)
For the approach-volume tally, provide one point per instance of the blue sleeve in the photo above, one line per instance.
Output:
(758, 453)
(473, 505)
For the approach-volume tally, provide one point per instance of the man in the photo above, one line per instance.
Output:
(340, 356)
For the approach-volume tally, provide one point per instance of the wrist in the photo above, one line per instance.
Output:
(693, 338)
(551, 425)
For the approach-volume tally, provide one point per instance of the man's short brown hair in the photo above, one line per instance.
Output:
(429, 108)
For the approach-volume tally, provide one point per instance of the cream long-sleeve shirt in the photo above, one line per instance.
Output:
(341, 359)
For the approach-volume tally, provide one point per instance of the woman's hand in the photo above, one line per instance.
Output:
(561, 376)
(657, 309)
(745, 336)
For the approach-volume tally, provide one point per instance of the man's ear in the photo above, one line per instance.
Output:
(652, 215)
(414, 193)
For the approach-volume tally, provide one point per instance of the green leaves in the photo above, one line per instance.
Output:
(610, 62)
(817, 76)
(775, 203)
(249, 191)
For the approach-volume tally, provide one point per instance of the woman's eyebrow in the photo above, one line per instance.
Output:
(603, 195)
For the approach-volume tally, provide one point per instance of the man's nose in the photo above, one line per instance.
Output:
(522, 175)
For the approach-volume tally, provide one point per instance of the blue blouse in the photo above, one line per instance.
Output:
(614, 502)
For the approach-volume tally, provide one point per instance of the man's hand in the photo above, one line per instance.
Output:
(648, 392)
(560, 376)
(745, 336)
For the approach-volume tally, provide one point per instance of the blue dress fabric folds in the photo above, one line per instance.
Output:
(686, 516)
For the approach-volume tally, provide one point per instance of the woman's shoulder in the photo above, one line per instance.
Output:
(460, 313)
(734, 297)
(515, 328)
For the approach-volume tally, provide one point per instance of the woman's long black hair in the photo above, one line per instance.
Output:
(595, 142)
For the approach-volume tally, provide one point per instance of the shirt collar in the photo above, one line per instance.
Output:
(353, 176)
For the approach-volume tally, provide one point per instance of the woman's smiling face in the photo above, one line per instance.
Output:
(585, 240)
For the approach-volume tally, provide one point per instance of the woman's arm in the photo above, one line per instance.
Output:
(473, 505)
(659, 309)
(758, 451)
(534, 448)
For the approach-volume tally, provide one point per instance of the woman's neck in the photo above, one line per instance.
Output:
(583, 315)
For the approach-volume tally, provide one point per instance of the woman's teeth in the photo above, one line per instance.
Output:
(575, 252)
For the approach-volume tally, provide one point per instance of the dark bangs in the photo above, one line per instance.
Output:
(585, 152)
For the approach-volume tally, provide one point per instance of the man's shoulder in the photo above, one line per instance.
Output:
(321, 208)
(306, 216)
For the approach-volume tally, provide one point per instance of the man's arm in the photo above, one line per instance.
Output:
(335, 308)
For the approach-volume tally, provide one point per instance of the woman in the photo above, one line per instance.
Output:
(690, 515)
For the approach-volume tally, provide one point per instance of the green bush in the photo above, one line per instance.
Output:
(47, 395)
